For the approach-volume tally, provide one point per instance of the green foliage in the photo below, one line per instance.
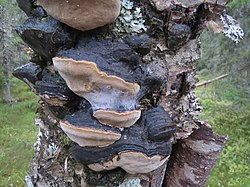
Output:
(228, 111)
(220, 55)
(1, 81)
(17, 135)
(226, 102)
(237, 4)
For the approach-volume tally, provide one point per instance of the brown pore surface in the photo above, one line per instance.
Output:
(117, 119)
(131, 162)
(83, 14)
(84, 77)
(85, 136)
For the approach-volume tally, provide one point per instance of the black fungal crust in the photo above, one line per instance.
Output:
(119, 59)
(140, 43)
(52, 89)
(31, 9)
(52, 83)
(177, 35)
(46, 35)
(154, 20)
(30, 71)
(142, 137)
(53, 86)
(160, 127)
(84, 119)
(106, 179)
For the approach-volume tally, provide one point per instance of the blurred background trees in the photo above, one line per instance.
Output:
(220, 55)
(12, 49)
(17, 129)
(226, 102)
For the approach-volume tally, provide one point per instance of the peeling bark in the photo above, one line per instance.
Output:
(193, 158)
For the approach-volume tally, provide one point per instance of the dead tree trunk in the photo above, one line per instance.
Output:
(8, 97)
(4, 57)
(122, 90)
(201, 150)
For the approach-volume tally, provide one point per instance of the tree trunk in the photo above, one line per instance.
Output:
(201, 150)
(8, 97)
(151, 49)
(4, 57)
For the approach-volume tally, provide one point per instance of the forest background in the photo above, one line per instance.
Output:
(226, 102)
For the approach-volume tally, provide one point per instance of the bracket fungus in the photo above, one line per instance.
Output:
(52, 89)
(83, 14)
(85, 79)
(86, 131)
(117, 119)
(131, 162)
(29, 73)
(46, 36)
(103, 91)
(119, 59)
(110, 78)
(139, 150)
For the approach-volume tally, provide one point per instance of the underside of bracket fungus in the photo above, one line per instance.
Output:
(142, 148)
(85, 79)
(86, 131)
(117, 119)
(83, 14)
(110, 78)
(131, 162)
(103, 91)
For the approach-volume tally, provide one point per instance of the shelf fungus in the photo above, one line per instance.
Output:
(29, 73)
(83, 14)
(110, 78)
(117, 119)
(143, 147)
(101, 90)
(46, 36)
(53, 90)
(86, 131)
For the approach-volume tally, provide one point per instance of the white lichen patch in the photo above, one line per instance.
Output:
(130, 19)
(38, 143)
(52, 149)
(131, 182)
(232, 28)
